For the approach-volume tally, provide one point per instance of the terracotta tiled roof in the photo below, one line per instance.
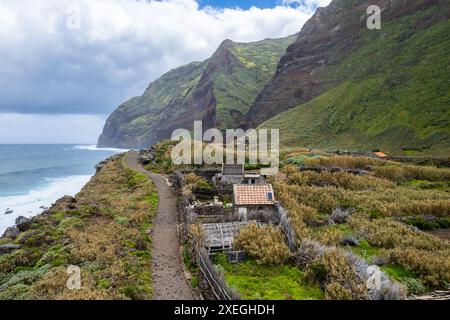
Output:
(381, 154)
(253, 194)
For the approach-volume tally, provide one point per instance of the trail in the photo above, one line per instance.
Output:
(169, 281)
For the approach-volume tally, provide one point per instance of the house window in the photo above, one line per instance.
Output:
(270, 196)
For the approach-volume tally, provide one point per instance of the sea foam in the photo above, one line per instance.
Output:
(31, 204)
(94, 148)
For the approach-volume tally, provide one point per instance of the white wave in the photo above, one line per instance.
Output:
(94, 148)
(31, 204)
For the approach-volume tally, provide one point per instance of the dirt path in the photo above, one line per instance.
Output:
(169, 281)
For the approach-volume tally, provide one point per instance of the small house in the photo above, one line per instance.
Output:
(220, 236)
(231, 174)
(254, 202)
(233, 170)
(381, 155)
(253, 178)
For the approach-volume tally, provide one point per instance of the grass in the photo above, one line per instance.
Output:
(389, 95)
(365, 250)
(254, 281)
(384, 204)
(105, 234)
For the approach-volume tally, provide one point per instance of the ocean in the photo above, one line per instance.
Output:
(32, 177)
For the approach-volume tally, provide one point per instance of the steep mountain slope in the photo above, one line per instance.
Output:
(356, 88)
(218, 91)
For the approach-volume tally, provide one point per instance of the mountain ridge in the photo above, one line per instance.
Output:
(217, 91)
(371, 89)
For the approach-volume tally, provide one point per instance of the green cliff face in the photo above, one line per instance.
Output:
(338, 85)
(373, 89)
(217, 91)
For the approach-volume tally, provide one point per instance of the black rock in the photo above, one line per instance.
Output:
(8, 248)
(8, 211)
(11, 232)
(350, 241)
(145, 159)
(66, 202)
(23, 223)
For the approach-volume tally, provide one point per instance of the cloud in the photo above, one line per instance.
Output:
(42, 128)
(87, 56)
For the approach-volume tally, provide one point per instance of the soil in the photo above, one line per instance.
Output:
(169, 281)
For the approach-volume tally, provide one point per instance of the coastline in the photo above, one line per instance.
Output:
(48, 187)
(36, 201)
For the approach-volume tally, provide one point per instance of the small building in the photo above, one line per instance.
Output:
(233, 170)
(220, 236)
(381, 155)
(253, 179)
(254, 202)
(231, 174)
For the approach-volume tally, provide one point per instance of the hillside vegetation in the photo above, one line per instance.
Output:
(383, 209)
(104, 231)
(391, 94)
(217, 91)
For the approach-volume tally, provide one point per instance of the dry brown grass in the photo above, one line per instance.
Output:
(339, 180)
(339, 279)
(398, 202)
(105, 235)
(403, 173)
(266, 244)
(381, 194)
(418, 251)
(387, 233)
(348, 162)
(433, 267)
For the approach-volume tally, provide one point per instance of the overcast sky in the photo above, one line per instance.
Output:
(65, 65)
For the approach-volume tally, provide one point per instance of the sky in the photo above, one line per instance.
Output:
(65, 65)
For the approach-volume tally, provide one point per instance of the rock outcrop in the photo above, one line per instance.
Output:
(217, 91)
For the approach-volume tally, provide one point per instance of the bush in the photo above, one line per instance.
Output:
(334, 273)
(387, 233)
(195, 182)
(426, 255)
(415, 286)
(403, 173)
(433, 267)
(266, 244)
(428, 223)
(336, 291)
(347, 162)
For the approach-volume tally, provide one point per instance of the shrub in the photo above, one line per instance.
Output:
(426, 255)
(339, 180)
(428, 223)
(344, 162)
(337, 276)
(403, 173)
(433, 267)
(336, 291)
(387, 233)
(330, 237)
(415, 286)
(195, 182)
(107, 246)
(266, 244)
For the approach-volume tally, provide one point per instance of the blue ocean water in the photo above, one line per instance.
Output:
(34, 176)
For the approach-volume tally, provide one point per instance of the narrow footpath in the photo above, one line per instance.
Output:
(169, 281)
